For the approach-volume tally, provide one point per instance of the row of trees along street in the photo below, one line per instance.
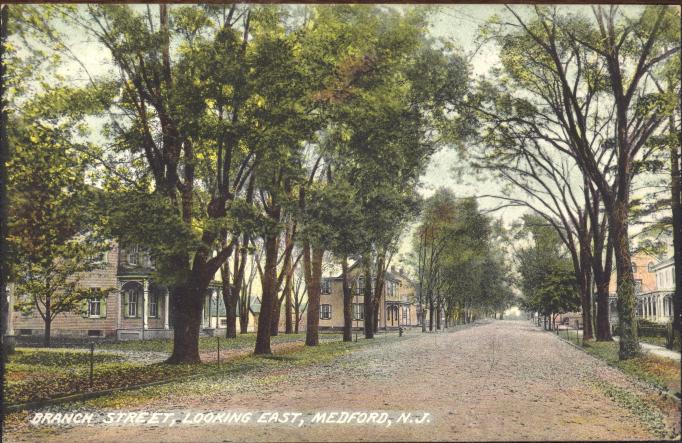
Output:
(585, 106)
(461, 269)
(221, 136)
(263, 141)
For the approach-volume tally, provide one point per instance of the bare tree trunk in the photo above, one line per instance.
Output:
(48, 327)
(367, 296)
(288, 323)
(628, 342)
(313, 272)
(276, 313)
(269, 285)
(431, 313)
(245, 307)
(586, 286)
(347, 303)
(379, 288)
(187, 305)
(6, 345)
(603, 321)
(676, 204)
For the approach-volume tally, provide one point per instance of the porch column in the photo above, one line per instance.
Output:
(660, 311)
(119, 308)
(218, 296)
(145, 301)
(166, 303)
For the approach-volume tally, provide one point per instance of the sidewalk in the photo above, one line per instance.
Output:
(657, 350)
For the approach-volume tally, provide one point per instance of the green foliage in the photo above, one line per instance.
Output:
(548, 282)
(54, 233)
(459, 265)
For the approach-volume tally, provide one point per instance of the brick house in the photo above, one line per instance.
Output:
(137, 308)
(397, 306)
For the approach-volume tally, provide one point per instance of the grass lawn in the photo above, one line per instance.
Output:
(208, 344)
(663, 373)
(39, 374)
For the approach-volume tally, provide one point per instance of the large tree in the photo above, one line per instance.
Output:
(53, 231)
(573, 68)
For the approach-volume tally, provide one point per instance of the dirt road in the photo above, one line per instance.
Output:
(503, 380)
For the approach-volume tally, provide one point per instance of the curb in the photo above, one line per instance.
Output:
(665, 392)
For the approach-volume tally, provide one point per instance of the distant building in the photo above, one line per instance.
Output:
(657, 305)
(396, 308)
(139, 308)
(654, 287)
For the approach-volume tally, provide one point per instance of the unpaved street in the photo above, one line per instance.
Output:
(503, 380)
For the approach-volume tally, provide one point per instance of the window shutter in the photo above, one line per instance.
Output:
(103, 307)
(330, 312)
(124, 294)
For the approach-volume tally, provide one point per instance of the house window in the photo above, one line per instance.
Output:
(25, 331)
(358, 311)
(153, 304)
(132, 298)
(326, 287)
(638, 286)
(361, 285)
(405, 313)
(325, 312)
(94, 333)
(94, 308)
(133, 257)
(634, 267)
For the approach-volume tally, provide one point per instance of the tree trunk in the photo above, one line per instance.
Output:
(628, 342)
(586, 306)
(269, 285)
(367, 297)
(586, 286)
(276, 312)
(431, 312)
(676, 204)
(379, 289)
(603, 322)
(347, 302)
(187, 305)
(288, 310)
(245, 307)
(6, 346)
(438, 317)
(48, 327)
(314, 277)
(230, 301)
